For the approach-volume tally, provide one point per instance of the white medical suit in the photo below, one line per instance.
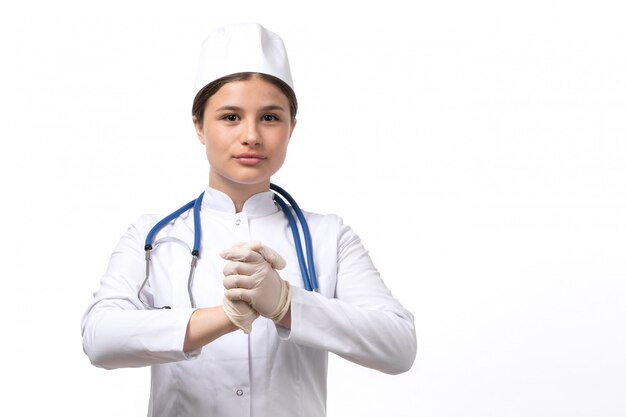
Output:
(273, 371)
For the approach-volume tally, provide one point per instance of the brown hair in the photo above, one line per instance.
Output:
(203, 96)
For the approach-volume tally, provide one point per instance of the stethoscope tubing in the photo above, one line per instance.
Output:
(307, 267)
(309, 276)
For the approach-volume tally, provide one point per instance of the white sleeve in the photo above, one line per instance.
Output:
(364, 323)
(117, 330)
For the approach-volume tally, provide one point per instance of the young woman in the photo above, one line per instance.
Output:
(152, 310)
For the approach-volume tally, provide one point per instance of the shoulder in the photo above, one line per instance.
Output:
(143, 224)
(329, 227)
(147, 220)
(323, 221)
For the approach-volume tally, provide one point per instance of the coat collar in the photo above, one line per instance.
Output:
(259, 205)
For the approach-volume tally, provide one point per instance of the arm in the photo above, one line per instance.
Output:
(117, 330)
(206, 325)
(364, 323)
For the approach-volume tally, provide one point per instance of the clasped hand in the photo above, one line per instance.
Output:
(253, 286)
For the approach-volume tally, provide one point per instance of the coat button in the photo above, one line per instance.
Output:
(239, 392)
(237, 222)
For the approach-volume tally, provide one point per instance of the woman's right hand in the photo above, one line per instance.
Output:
(240, 313)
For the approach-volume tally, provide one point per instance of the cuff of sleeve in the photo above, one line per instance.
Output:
(298, 296)
(184, 315)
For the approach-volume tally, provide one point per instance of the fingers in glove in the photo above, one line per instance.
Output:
(269, 254)
(242, 254)
(272, 257)
(245, 252)
(238, 294)
(240, 314)
(242, 268)
(239, 281)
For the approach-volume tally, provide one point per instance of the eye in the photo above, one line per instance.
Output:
(231, 117)
(269, 118)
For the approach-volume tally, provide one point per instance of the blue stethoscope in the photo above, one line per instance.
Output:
(307, 268)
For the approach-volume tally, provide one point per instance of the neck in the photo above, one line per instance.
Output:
(239, 193)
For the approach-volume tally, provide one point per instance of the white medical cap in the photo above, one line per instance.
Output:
(242, 47)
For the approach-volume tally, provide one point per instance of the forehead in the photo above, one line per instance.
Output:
(248, 93)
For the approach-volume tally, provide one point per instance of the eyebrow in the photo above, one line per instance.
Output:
(238, 109)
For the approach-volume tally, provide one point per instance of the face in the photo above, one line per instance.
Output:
(246, 129)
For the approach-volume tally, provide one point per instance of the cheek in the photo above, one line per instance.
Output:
(214, 152)
(215, 141)
(280, 152)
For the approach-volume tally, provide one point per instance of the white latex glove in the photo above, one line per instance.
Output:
(251, 277)
(240, 313)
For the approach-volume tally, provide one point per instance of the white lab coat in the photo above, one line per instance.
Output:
(273, 371)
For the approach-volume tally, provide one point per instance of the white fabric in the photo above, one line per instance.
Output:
(273, 371)
(242, 47)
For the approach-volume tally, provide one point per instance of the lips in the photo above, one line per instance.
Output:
(249, 158)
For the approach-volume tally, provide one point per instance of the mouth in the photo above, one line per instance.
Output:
(249, 159)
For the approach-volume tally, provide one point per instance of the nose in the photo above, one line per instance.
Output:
(251, 136)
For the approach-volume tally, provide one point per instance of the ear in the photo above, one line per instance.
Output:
(199, 132)
(293, 126)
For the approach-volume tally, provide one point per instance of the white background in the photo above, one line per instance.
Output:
(478, 148)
